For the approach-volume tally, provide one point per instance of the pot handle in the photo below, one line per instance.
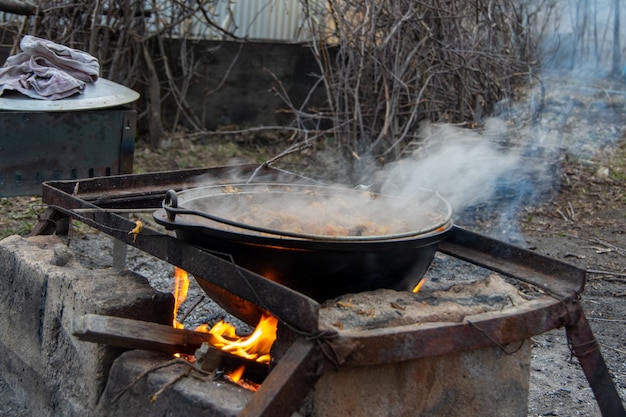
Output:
(170, 200)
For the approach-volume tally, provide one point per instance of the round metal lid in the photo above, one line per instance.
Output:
(101, 94)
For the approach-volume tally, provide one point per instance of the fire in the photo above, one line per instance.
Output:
(419, 285)
(181, 286)
(255, 347)
(236, 375)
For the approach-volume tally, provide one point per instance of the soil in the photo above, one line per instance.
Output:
(584, 226)
(582, 221)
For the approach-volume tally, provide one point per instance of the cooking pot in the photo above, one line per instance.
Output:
(323, 241)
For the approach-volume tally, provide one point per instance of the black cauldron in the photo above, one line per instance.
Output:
(323, 241)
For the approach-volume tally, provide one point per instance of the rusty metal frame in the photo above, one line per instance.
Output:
(296, 372)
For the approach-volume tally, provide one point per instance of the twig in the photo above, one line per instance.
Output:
(234, 132)
(196, 304)
(562, 215)
(227, 74)
(182, 375)
(214, 25)
(622, 351)
(296, 147)
(607, 320)
(178, 96)
(571, 211)
(156, 368)
(619, 250)
(600, 272)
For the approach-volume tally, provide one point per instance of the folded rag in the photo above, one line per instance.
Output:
(48, 71)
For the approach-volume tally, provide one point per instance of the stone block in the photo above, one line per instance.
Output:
(484, 382)
(148, 384)
(42, 289)
(488, 382)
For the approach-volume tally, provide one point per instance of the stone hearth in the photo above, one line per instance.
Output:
(43, 289)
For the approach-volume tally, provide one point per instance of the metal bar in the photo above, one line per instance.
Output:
(560, 280)
(51, 221)
(585, 347)
(415, 341)
(148, 190)
(556, 277)
(287, 385)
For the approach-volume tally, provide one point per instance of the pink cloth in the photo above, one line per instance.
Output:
(48, 71)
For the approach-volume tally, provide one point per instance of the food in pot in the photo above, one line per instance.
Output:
(323, 211)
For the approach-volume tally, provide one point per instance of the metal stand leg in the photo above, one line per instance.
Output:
(585, 348)
(284, 389)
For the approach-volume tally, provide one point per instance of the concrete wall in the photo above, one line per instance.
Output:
(232, 81)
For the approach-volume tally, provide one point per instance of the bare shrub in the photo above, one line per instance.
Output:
(387, 65)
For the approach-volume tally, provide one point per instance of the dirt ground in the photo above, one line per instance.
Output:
(583, 222)
(584, 226)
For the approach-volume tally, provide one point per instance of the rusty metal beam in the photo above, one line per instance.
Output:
(295, 309)
(557, 278)
(415, 341)
(585, 347)
(148, 190)
(284, 389)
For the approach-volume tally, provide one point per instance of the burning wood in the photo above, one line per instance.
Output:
(137, 334)
(217, 348)
(210, 359)
(253, 350)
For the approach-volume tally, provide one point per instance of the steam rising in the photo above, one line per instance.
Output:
(313, 212)
(464, 166)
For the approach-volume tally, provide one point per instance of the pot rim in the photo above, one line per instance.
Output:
(174, 204)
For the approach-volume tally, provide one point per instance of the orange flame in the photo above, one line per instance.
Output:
(419, 285)
(181, 286)
(236, 375)
(254, 347)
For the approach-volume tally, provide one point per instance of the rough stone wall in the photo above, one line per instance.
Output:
(42, 289)
(155, 395)
(484, 382)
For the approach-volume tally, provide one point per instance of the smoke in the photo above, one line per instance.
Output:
(474, 169)
(463, 166)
